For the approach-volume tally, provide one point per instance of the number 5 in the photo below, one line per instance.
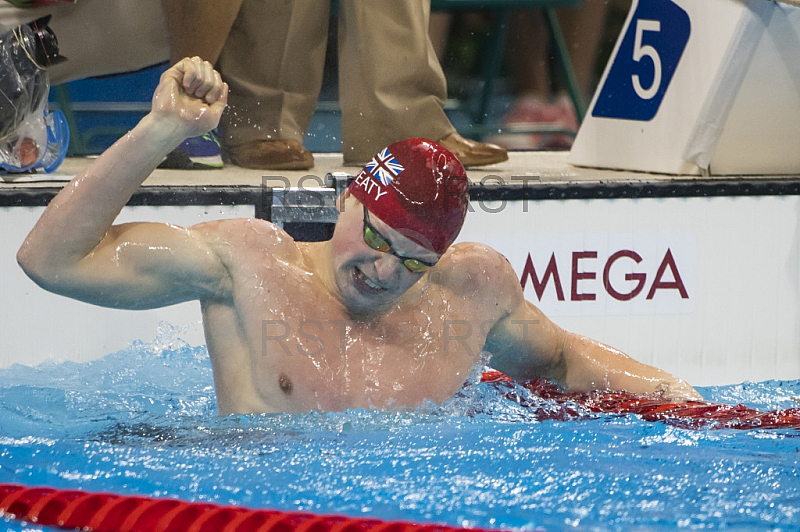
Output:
(639, 51)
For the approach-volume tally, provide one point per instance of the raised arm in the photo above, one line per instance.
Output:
(75, 251)
(526, 345)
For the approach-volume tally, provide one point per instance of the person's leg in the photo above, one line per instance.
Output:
(100, 37)
(583, 28)
(273, 61)
(199, 28)
(528, 48)
(535, 104)
(391, 84)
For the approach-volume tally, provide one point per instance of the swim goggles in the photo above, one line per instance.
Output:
(374, 240)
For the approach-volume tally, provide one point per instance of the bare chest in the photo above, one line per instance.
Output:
(306, 353)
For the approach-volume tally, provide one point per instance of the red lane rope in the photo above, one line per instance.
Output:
(688, 414)
(107, 512)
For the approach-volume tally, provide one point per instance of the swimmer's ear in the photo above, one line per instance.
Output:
(343, 197)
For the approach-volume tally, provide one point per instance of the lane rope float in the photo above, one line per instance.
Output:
(687, 414)
(107, 512)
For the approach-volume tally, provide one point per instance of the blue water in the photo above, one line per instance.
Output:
(143, 421)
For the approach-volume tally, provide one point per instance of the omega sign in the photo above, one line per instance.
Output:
(624, 275)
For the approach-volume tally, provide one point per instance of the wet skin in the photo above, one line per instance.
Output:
(303, 326)
(346, 325)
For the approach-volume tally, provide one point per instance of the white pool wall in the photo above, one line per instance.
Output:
(738, 260)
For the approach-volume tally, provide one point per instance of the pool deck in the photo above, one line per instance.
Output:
(541, 167)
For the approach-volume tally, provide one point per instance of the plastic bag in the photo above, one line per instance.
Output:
(30, 137)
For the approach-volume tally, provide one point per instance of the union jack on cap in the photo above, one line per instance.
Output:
(384, 167)
(416, 187)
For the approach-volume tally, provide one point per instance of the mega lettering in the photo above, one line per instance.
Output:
(583, 268)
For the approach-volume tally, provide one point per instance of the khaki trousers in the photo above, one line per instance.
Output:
(391, 85)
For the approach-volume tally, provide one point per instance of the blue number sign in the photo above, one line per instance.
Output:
(645, 62)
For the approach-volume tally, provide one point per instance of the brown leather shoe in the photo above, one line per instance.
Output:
(275, 154)
(473, 153)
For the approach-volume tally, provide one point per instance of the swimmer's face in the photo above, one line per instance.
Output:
(366, 277)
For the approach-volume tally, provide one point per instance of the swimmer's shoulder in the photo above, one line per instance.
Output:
(477, 270)
(246, 235)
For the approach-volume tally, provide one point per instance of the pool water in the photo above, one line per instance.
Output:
(143, 421)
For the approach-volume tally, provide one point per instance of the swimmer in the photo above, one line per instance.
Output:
(386, 314)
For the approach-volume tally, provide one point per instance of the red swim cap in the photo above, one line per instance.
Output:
(419, 189)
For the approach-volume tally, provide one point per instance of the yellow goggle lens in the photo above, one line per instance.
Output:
(415, 266)
(374, 241)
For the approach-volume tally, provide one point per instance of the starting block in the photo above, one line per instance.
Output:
(699, 87)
